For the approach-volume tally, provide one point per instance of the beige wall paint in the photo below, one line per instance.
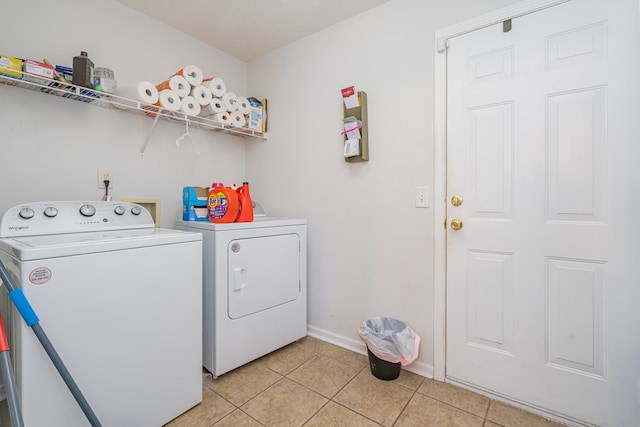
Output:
(51, 148)
(370, 249)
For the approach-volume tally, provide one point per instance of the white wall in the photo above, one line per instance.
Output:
(370, 249)
(51, 148)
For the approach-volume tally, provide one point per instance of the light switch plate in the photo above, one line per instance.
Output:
(422, 197)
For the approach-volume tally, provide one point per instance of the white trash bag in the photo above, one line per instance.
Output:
(390, 339)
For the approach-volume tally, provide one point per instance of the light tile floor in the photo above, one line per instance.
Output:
(312, 383)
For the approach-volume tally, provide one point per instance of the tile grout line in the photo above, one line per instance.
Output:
(351, 409)
(454, 406)
(486, 413)
(462, 405)
(329, 399)
(404, 407)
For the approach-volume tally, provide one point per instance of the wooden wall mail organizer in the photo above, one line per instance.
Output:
(360, 113)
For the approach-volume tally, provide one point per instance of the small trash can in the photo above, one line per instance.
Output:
(391, 344)
(382, 369)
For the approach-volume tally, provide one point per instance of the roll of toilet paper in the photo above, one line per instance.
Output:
(202, 94)
(222, 118)
(144, 91)
(216, 86)
(178, 84)
(243, 105)
(190, 106)
(230, 101)
(169, 100)
(214, 107)
(237, 119)
(192, 73)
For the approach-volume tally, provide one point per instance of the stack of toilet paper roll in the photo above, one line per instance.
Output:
(225, 107)
(188, 92)
(183, 91)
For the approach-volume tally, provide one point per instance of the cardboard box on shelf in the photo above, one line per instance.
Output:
(258, 115)
(10, 66)
(37, 72)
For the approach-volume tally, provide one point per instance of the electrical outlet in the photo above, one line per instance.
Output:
(422, 197)
(105, 174)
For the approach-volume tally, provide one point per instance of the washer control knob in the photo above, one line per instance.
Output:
(87, 210)
(26, 213)
(119, 210)
(50, 212)
(136, 210)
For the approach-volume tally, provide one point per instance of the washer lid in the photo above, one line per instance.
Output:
(59, 245)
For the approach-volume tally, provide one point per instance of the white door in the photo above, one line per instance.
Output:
(543, 278)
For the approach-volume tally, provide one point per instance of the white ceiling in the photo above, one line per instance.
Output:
(247, 29)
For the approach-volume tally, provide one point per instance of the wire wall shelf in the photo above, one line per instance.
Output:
(110, 101)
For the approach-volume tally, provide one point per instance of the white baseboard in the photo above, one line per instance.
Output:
(356, 345)
(340, 340)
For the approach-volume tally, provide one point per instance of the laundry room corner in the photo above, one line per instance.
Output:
(370, 247)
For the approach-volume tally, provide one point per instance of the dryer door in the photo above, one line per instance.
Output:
(263, 272)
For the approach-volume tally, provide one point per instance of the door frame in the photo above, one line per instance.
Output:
(442, 37)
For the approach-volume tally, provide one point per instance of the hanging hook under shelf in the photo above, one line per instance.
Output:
(185, 135)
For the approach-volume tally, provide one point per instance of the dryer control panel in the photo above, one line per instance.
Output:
(43, 218)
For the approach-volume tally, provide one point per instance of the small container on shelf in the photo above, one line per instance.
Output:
(83, 70)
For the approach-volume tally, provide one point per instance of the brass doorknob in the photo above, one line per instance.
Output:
(456, 200)
(456, 223)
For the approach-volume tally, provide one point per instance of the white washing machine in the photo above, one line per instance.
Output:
(121, 302)
(254, 288)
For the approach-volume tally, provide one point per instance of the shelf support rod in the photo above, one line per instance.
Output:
(153, 126)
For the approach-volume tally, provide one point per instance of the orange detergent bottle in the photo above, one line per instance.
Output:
(222, 204)
(246, 206)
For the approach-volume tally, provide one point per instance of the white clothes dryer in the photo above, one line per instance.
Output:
(254, 288)
(120, 301)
